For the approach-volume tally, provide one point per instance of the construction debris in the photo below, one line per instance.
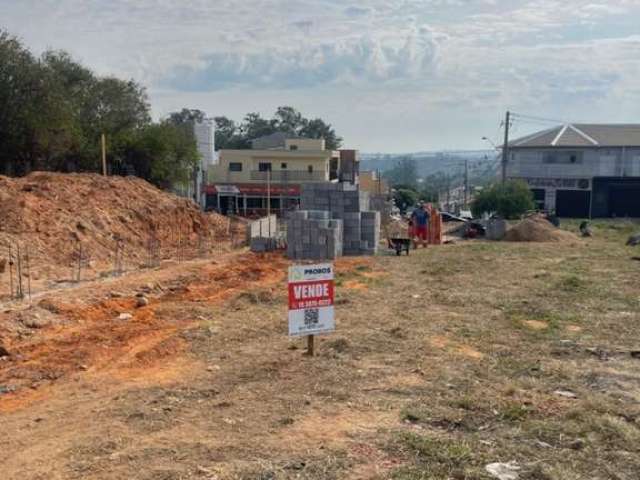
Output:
(503, 471)
(633, 240)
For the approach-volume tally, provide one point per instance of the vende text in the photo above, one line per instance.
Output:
(310, 294)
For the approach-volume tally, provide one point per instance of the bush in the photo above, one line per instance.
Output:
(509, 200)
(405, 198)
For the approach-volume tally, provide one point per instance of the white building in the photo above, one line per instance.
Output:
(581, 170)
(205, 138)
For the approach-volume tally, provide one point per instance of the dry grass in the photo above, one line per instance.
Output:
(436, 370)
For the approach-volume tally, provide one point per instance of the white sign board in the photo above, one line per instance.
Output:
(311, 293)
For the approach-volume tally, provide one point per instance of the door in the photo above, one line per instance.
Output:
(572, 203)
(624, 200)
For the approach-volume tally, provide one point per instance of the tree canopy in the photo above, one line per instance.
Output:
(232, 135)
(509, 200)
(54, 110)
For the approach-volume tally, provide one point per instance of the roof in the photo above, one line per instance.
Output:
(274, 140)
(583, 135)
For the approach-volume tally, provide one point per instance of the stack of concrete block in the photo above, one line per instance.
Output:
(313, 235)
(370, 232)
(337, 198)
(263, 244)
(334, 220)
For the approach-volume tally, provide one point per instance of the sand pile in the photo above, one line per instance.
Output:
(53, 213)
(538, 229)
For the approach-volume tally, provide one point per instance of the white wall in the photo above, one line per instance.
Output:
(205, 138)
(596, 162)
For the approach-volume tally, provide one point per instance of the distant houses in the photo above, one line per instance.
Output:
(271, 173)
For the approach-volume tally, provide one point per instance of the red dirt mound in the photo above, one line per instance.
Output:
(538, 229)
(51, 214)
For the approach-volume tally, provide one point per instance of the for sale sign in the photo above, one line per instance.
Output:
(311, 292)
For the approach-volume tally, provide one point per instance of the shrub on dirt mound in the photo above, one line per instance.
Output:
(538, 229)
(52, 213)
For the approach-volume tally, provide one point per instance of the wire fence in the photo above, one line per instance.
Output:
(24, 263)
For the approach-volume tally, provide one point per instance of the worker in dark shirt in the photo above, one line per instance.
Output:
(420, 218)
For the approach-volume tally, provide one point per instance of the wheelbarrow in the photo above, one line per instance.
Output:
(400, 244)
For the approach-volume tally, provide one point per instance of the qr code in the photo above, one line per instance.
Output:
(311, 317)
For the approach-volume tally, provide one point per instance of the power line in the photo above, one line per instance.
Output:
(539, 119)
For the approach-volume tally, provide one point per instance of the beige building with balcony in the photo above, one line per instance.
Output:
(272, 171)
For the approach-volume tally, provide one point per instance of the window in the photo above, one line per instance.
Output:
(562, 157)
(235, 166)
(293, 147)
(283, 166)
(310, 169)
(264, 166)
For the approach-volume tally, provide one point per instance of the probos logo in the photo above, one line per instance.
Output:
(301, 273)
(317, 271)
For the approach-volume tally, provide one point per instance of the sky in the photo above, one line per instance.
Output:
(389, 75)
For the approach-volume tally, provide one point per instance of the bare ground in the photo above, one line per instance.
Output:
(443, 361)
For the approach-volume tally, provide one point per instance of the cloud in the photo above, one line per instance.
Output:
(388, 73)
(363, 58)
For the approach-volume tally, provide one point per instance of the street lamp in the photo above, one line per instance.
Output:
(495, 147)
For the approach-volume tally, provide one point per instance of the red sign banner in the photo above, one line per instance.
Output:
(310, 294)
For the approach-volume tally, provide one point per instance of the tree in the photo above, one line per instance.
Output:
(187, 115)
(228, 135)
(509, 200)
(255, 126)
(405, 197)
(20, 83)
(162, 153)
(288, 120)
(317, 128)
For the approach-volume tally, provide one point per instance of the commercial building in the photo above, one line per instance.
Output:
(272, 172)
(581, 170)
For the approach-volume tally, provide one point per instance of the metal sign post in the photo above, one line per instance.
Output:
(311, 295)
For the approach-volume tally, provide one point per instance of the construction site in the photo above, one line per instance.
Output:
(142, 338)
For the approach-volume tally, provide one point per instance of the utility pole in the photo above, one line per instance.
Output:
(269, 198)
(505, 147)
(104, 155)
(466, 182)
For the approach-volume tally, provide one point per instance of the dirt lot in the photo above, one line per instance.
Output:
(443, 361)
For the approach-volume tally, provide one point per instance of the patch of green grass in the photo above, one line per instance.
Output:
(514, 412)
(572, 284)
(464, 402)
(363, 268)
(433, 457)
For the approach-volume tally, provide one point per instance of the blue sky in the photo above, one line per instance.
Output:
(391, 75)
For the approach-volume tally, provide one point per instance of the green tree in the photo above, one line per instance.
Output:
(288, 120)
(509, 200)
(187, 115)
(317, 128)
(162, 153)
(228, 135)
(255, 126)
(21, 84)
(405, 197)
